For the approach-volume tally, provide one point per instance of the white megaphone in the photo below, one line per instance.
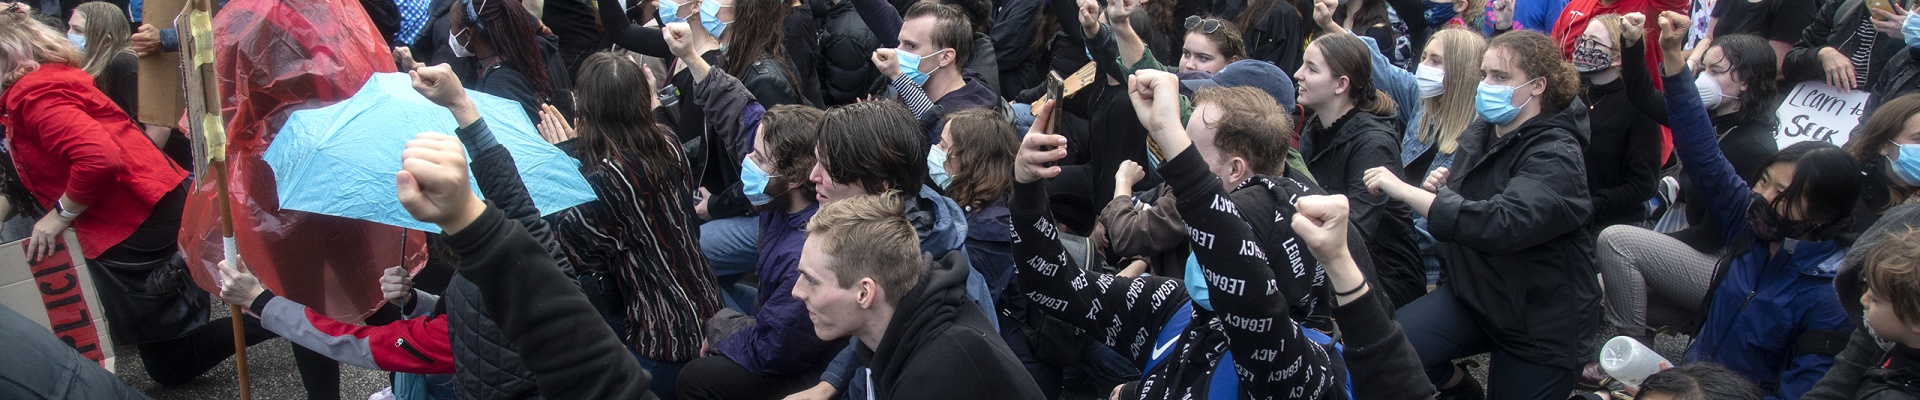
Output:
(1630, 362)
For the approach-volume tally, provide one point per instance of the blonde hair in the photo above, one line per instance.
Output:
(1447, 115)
(1615, 25)
(106, 34)
(28, 44)
(1893, 273)
(869, 237)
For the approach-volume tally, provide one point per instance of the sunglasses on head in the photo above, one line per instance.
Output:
(1204, 25)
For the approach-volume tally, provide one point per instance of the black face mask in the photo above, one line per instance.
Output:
(1769, 225)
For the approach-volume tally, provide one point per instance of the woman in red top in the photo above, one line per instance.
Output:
(90, 168)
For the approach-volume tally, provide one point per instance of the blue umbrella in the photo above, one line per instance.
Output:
(339, 160)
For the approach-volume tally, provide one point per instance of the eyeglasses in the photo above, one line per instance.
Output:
(1204, 25)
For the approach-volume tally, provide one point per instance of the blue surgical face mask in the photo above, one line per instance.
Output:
(710, 17)
(1906, 165)
(910, 66)
(670, 12)
(1196, 282)
(1911, 29)
(753, 181)
(937, 167)
(79, 42)
(1495, 103)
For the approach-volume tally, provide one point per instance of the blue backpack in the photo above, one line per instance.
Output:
(1225, 384)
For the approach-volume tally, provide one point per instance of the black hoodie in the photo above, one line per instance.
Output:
(940, 346)
(1513, 245)
(1339, 155)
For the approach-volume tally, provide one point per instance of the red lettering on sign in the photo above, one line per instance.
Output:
(64, 296)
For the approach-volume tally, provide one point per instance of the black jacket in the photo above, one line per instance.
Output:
(770, 83)
(846, 53)
(1339, 156)
(1278, 39)
(802, 43)
(573, 23)
(940, 346)
(1623, 158)
(1899, 76)
(543, 312)
(431, 46)
(1014, 27)
(983, 63)
(1383, 364)
(1898, 379)
(1510, 222)
(1835, 26)
(487, 363)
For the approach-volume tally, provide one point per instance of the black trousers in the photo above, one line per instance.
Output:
(717, 377)
(146, 268)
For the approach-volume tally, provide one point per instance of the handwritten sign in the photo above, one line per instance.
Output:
(57, 293)
(1816, 111)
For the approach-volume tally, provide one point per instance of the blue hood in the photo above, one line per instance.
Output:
(940, 223)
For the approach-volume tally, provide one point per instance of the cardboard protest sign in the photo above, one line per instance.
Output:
(1819, 112)
(57, 293)
(161, 100)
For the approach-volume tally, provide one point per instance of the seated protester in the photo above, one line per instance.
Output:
(1389, 77)
(1369, 18)
(1881, 146)
(99, 30)
(874, 148)
(534, 303)
(777, 354)
(1892, 303)
(862, 274)
(1778, 24)
(1117, 51)
(1206, 358)
(1897, 120)
(1271, 31)
(502, 39)
(982, 62)
(1698, 381)
(638, 234)
(1744, 119)
(1349, 130)
(1520, 204)
(1784, 247)
(847, 74)
(1659, 281)
(1446, 78)
(484, 351)
(1212, 43)
(41, 365)
(753, 34)
(1623, 152)
(1844, 47)
(724, 113)
(925, 68)
(1902, 70)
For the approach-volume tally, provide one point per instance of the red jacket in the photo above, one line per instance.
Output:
(68, 138)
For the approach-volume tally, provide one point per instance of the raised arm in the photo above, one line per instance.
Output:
(1244, 291)
(628, 35)
(1123, 313)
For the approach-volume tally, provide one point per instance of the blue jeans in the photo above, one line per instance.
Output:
(1022, 118)
(1442, 329)
(732, 247)
(423, 387)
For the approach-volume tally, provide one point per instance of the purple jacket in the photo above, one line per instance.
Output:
(781, 340)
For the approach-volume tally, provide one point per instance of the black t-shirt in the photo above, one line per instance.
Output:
(1781, 20)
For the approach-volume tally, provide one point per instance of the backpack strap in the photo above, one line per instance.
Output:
(1169, 333)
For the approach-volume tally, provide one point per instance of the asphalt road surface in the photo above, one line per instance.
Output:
(270, 367)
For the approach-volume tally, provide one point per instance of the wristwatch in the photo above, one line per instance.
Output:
(61, 209)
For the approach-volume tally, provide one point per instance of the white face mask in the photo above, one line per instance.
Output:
(453, 42)
(1710, 93)
(1428, 77)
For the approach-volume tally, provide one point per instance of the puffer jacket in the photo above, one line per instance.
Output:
(1511, 224)
(846, 48)
(488, 365)
(1766, 311)
(1899, 76)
